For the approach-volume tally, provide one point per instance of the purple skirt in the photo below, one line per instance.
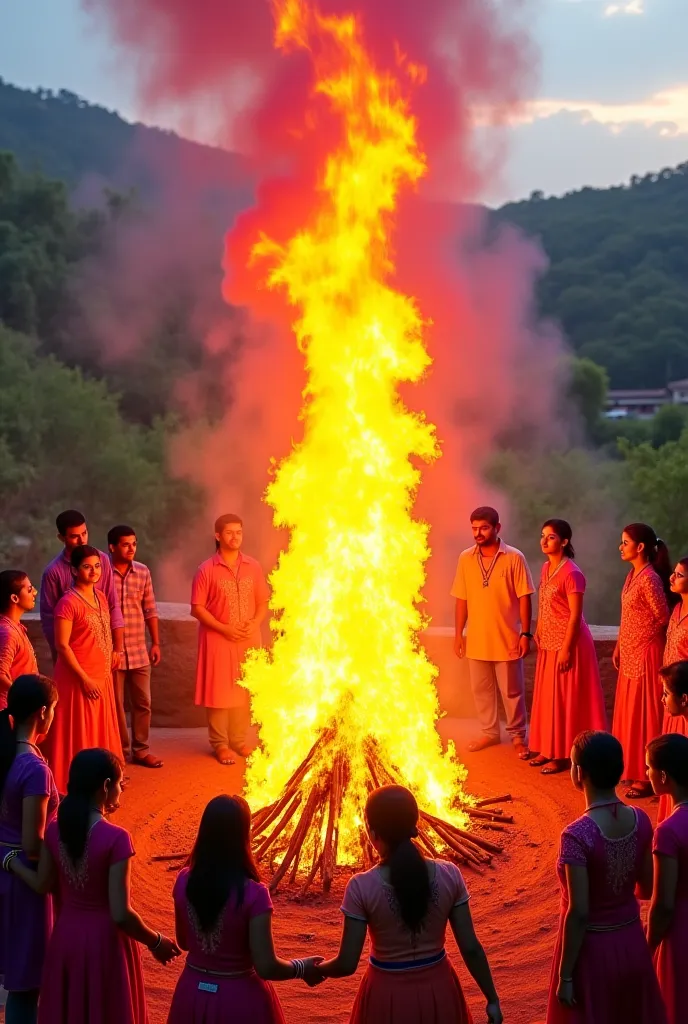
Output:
(206, 999)
(26, 921)
(613, 981)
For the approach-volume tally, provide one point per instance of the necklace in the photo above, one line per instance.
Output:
(486, 573)
(603, 803)
(28, 743)
(551, 574)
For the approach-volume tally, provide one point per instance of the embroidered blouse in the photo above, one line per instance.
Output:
(553, 604)
(369, 898)
(613, 865)
(677, 637)
(644, 615)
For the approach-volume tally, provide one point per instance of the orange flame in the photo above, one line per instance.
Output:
(346, 593)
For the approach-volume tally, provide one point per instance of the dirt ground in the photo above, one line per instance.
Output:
(515, 904)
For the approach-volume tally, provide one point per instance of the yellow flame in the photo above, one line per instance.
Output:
(347, 590)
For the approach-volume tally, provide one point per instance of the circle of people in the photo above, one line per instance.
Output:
(70, 940)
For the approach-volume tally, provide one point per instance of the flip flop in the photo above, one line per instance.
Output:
(224, 756)
(147, 761)
(555, 768)
(482, 744)
(539, 761)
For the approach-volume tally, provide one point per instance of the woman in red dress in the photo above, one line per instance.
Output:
(676, 650)
(639, 650)
(86, 714)
(17, 656)
(568, 695)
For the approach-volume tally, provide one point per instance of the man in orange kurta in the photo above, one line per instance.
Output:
(229, 598)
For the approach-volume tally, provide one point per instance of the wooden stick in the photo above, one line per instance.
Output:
(428, 844)
(495, 800)
(279, 827)
(273, 810)
(457, 846)
(313, 872)
(170, 856)
(462, 835)
(327, 861)
(475, 812)
(297, 838)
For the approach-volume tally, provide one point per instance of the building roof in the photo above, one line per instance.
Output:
(649, 394)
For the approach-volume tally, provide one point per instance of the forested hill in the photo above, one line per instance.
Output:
(618, 280)
(63, 136)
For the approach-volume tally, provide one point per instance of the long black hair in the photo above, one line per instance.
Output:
(87, 773)
(11, 581)
(564, 533)
(658, 553)
(27, 695)
(221, 860)
(392, 814)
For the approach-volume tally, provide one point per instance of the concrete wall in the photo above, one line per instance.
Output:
(173, 681)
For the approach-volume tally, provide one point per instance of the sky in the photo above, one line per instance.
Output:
(612, 98)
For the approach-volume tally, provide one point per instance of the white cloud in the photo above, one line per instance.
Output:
(666, 110)
(628, 7)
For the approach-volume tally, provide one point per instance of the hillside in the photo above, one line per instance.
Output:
(618, 280)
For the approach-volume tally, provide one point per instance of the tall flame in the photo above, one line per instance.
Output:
(346, 592)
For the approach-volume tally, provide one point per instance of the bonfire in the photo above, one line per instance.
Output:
(345, 699)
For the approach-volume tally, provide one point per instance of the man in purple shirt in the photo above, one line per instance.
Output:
(57, 579)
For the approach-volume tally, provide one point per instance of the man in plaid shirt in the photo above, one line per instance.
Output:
(136, 599)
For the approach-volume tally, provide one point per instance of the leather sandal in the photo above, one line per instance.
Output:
(224, 756)
(147, 761)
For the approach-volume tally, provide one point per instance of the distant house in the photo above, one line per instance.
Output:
(643, 403)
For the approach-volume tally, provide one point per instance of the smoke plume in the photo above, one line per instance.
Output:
(496, 369)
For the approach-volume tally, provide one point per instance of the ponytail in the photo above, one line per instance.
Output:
(26, 696)
(88, 772)
(408, 874)
(656, 551)
(663, 567)
(392, 816)
(8, 746)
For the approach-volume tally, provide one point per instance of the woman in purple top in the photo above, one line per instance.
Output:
(602, 971)
(224, 919)
(93, 972)
(28, 803)
(667, 761)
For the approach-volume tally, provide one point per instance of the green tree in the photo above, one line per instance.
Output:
(668, 424)
(63, 443)
(658, 489)
(588, 386)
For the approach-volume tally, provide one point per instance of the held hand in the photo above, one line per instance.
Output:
(494, 1013)
(166, 951)
(155, 654)
(523, 647)
(233, 633)
(312, 975)
(565, 993)
(616, 658)
(460, 646)
(117, 660)
(564, 659)
(90, 688)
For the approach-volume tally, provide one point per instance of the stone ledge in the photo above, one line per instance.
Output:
(173, 681)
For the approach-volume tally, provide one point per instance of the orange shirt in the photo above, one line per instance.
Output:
(494, 619)
(17, 656)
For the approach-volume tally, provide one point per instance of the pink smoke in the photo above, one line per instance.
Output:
(494, 368)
